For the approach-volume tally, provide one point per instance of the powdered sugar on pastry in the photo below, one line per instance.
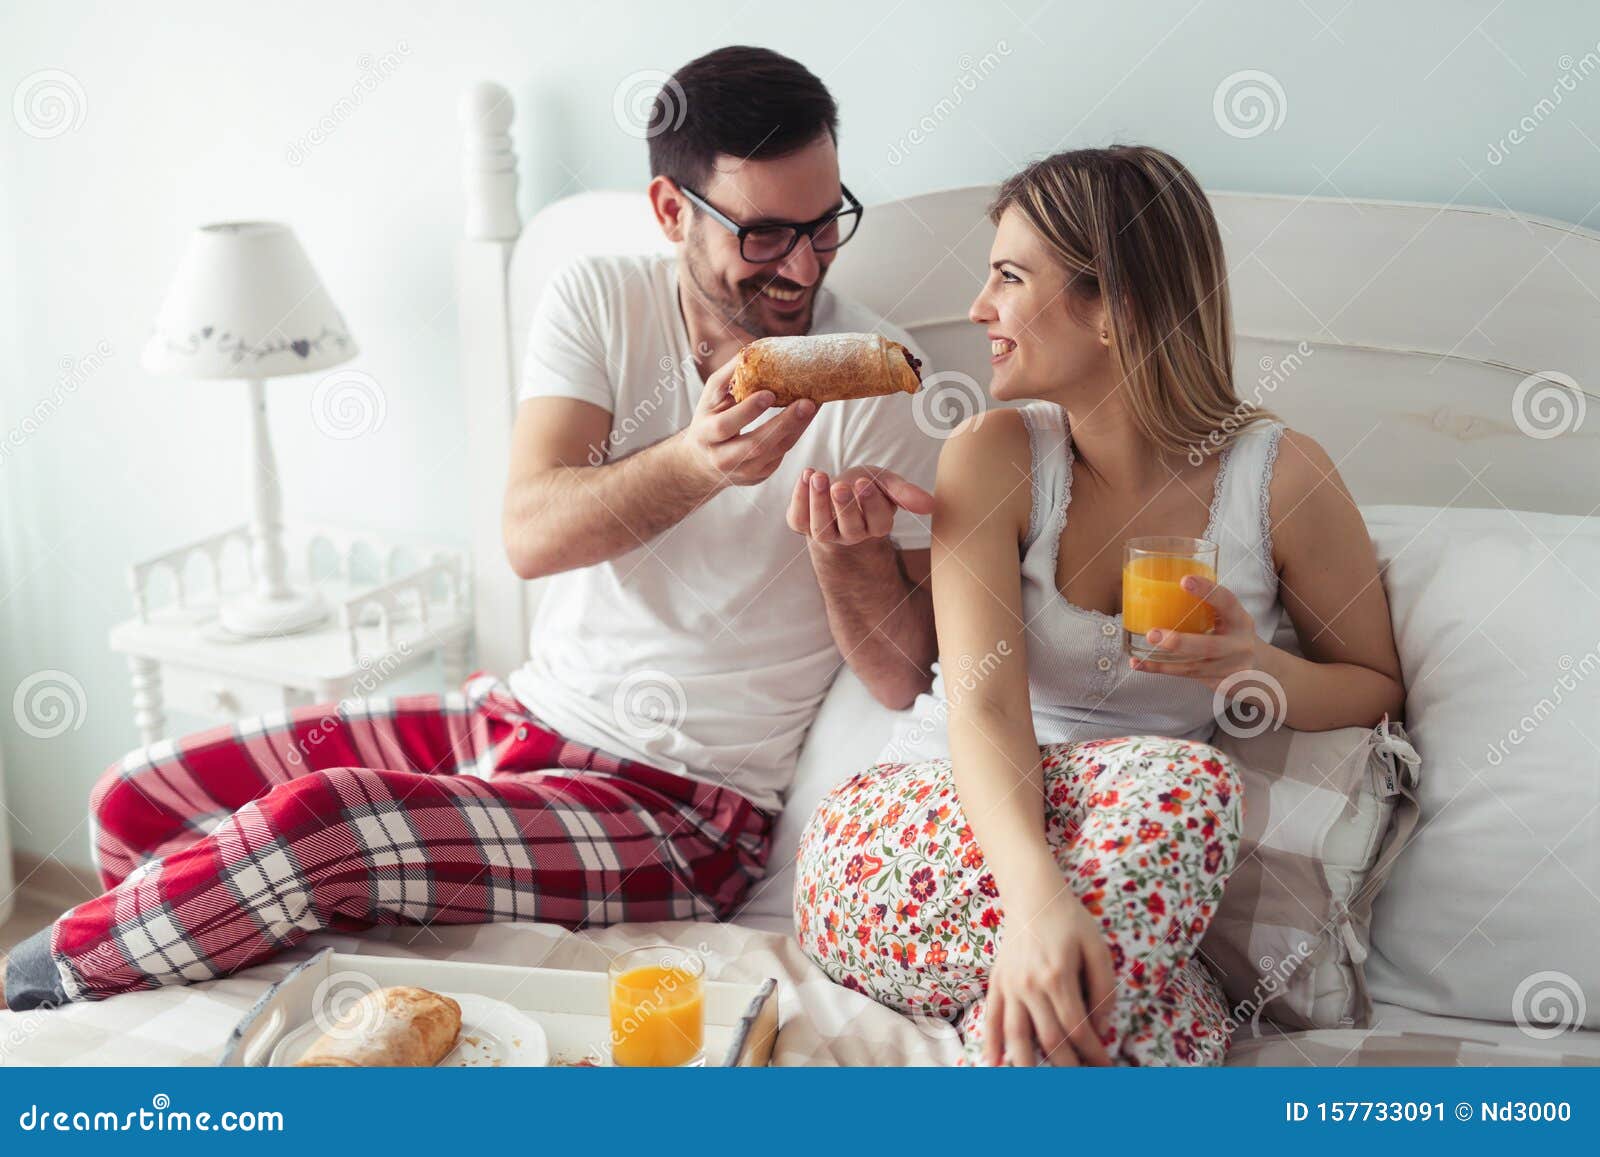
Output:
(825, 367)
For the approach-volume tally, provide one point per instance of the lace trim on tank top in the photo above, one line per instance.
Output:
(1059, 528)
(1036, 452)
(1264, 501)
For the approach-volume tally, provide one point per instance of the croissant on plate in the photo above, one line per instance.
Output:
(391, 1027)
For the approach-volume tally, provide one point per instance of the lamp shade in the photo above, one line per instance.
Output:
(245, 303)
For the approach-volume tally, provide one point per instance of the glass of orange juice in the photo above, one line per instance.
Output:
(1152, 568)
(657, 1007)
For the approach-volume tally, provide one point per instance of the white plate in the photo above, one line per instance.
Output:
(493, 1035)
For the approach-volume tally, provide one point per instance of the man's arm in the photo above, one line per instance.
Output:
(567, 508)
(879, 606)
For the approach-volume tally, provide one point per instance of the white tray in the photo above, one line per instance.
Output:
(571, 1007)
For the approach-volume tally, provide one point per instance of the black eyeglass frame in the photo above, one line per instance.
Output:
(853, 209)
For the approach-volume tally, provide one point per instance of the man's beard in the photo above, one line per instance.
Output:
(741, 308)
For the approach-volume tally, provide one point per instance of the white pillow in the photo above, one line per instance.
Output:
(850, 730)
(1493, 911)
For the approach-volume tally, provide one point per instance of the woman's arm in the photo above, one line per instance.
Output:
(1052, 964)
(1329, 583)
(980, 514)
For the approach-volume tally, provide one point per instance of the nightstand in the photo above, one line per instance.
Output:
(394, 608)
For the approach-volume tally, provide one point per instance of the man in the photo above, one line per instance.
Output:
(634, 770)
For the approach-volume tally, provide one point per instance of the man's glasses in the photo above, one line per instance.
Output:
(760, 244)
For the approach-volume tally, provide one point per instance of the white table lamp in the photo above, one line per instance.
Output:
(246, 304)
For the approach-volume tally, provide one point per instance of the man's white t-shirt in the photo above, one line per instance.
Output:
(706, 651)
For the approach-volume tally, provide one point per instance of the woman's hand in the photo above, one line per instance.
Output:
(1052, 985)
(1232, 645)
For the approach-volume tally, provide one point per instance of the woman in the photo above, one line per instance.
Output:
(1044, 877)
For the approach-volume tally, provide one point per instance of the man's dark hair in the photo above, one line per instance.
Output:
(741, 101)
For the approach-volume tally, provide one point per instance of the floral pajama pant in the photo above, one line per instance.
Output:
(892, 897)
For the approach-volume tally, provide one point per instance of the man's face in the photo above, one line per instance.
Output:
(774, 298)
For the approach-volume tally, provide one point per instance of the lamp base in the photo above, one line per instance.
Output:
(263, 618)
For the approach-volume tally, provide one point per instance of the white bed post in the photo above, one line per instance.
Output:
(489, 171)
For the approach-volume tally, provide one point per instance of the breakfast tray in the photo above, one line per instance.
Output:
(741, 1020)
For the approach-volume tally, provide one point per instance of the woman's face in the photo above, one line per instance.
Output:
(1044, 342)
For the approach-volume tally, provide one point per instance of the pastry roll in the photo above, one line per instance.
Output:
(389, 1028)
(828, 367)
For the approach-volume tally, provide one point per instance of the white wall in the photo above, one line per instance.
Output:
(193, 112)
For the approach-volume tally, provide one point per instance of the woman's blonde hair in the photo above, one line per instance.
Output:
(1133, 228)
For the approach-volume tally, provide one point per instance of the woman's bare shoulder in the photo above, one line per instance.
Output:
(985, 467)
(1306, 490)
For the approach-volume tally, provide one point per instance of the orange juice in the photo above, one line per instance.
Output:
(1152, 598)
(657, 1016)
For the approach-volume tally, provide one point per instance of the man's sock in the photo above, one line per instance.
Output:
(31, 979)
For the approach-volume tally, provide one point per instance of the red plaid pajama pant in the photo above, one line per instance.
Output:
(225, 848)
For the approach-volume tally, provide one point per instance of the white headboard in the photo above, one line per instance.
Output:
(1401, 336)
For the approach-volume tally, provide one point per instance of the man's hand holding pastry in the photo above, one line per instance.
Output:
(715, 449)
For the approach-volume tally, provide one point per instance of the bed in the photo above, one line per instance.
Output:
(1423, 345)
